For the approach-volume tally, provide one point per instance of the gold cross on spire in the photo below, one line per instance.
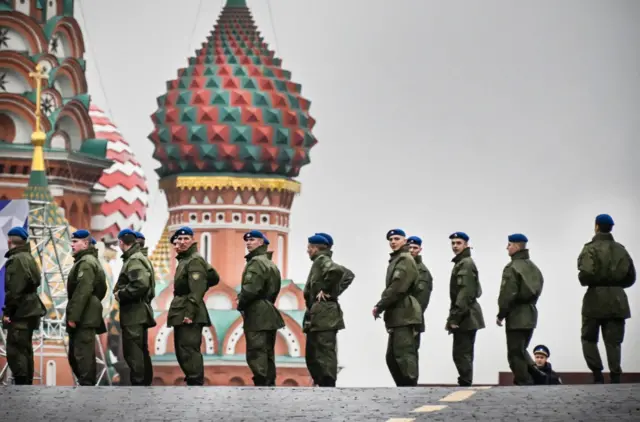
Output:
(38, 136)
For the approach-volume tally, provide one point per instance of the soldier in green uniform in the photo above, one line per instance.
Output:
(188, 313)
(140, 240)
(132, 291)
(402, 312)
(259, 290)
(323, 316)
(22, 308)
(86, 288)
(424, 286)
(606, 269)
(465, 314)
(520, 290)
(347, 275)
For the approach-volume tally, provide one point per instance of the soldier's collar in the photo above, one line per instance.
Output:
(603, 236)
(464, 254)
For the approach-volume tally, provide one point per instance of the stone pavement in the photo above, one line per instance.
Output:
(557, 403)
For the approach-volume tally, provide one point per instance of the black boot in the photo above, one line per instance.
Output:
(615, 378)
(598, 378)
(260, 381)
(21, 380)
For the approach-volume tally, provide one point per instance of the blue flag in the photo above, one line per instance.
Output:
(12, 214)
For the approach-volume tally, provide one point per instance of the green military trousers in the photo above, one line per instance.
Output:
(261, 356)
(402, 356)
(20, 354)
(518, 356)
(613, 336)
(135, 348)
(82, 355)
(463, 351)
(322, 358)
(187, 341)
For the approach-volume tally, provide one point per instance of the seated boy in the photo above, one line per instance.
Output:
(547, 376)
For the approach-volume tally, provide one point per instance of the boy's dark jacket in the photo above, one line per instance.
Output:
(545, 375)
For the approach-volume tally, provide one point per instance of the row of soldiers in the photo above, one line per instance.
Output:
(604, 266)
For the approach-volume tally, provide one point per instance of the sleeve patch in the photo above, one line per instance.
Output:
(134, 275)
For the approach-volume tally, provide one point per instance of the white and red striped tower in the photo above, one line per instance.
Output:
(122, 194)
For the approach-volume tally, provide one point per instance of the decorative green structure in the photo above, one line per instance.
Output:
(233, 109)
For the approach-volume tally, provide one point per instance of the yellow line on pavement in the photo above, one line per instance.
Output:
(480, 388)
(459, 395)
(429, 408)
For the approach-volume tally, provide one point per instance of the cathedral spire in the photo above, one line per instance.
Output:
(38, 188)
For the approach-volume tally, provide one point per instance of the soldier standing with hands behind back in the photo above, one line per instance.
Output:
(424, 285)
(136, 316)
(259, 290)
(22, 306)
(323, 317)
(521, 287)
(465, 313)
(606, 269)
(402, 312)
(86, 288)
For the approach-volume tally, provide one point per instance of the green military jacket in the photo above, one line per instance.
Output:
(423, 288)
(606, 269)
(520, 289)
(324, 276)
(464, 291)
(347, 275)
(259, 290)
(22, 278)
(133, 287)
(152, 292)
(86, 288)
(399, 306)
(189, 287)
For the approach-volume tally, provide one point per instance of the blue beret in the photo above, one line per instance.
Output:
(256, 234)
(125, 232)
(19, 232)
(604, 219)
(80, 234)
(460, 235)
(93, 241)
(541, 348)
(396, 232)
(317, 239)
(414, 240)
(138, 235)
(518, 238)
(328, 237)
(184, 231)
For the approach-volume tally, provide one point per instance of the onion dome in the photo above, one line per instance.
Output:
(126, 193)
(233, 109)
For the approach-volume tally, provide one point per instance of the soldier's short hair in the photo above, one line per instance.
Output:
(605, 228)
(322, 247)
(128, 239)
(17, 240)
(141, 242)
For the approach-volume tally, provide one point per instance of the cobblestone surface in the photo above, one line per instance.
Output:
(561, 403)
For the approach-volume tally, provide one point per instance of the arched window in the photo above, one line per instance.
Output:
(51, 373)
(288, 302)
(205, 246)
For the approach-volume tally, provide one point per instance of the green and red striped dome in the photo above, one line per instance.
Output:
(234, 109)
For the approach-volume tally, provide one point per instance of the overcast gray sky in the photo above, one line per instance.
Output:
(486, 117)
